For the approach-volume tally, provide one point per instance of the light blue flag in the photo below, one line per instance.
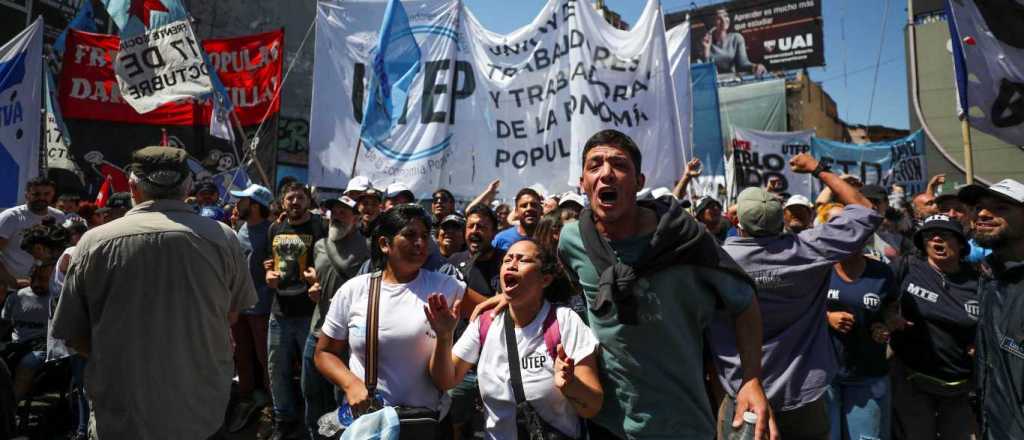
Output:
(396, 62)
(85, 20)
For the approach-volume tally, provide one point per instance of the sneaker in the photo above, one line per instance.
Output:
(242, 414)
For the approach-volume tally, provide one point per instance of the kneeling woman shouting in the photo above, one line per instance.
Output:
(537, 361)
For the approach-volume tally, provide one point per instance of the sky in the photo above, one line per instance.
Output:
(852, 40)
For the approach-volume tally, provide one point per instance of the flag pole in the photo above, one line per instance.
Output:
(355, 159)
(252, 149)
(965, 131)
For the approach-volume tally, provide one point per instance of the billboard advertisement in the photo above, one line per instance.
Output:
(758, 36)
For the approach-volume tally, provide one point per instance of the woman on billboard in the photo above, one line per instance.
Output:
(728, 50)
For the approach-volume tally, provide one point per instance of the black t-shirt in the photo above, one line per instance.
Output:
(484, 276)
(944, 309)
(1001, 352)
(291, 247)
(859, 355)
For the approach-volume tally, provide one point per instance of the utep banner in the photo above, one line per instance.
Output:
(758, 156)
(740, 35)
(21, 62)
(249, 66)
(897, 162)
(517, 107)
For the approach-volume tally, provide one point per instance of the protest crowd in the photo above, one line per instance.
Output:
(630, 315)
(576, 230)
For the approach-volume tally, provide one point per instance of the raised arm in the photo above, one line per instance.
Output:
(844, 192)
(693, 170)
(487, 196)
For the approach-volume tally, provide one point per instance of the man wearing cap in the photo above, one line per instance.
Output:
(250, 331)
(630, 259)
(947, 202)
(792, 272)
(798, 214)
(570, 207)
(208, 200)
(709, 213)
(368, 205)
(999, 225)
(15, 263)
(450, 235)
(336, 258)
(396, 194)
(149, 300)
(357, 186)
(116, 207)
(291, 249)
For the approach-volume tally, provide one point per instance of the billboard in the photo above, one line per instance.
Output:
(757, 36)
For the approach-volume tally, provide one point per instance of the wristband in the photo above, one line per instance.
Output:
(821, 168)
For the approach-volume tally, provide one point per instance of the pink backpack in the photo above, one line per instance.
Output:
(552, 333)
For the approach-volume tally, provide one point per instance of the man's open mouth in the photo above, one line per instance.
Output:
(608, 196)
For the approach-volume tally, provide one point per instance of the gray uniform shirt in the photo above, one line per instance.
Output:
(152, 292)
(792, 274)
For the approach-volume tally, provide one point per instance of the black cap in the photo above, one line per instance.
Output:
(162, 166)
(874, 192)
(454, 218)
(117, 200)
(207, 186)
(705, 203)
(943, 223)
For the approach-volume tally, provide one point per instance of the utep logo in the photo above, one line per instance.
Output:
(872, 301)
(432, 72)
(534, 361)
(973, 309)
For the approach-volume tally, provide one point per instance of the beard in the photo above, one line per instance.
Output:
(37, 206)
(992, 241)
(338, 231)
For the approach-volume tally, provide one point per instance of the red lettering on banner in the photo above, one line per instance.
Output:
(249, 67)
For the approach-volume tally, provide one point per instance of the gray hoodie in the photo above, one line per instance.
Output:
(792, 273)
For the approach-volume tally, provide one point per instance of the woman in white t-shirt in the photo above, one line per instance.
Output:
(405, 340)
(560, 386)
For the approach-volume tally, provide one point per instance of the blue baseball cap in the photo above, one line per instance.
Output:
(257, 193)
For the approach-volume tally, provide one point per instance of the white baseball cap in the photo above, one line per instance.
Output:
(660, 192)
(358, 184)
(799, 200)
(571, 197)
(1007, 189)
(397, 188)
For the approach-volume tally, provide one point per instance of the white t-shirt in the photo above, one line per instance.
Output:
(405, 338)
(13, 222)
(535, 365)
(56, 348)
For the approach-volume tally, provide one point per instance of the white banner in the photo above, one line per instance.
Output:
(517, 107)
(162, 65)
(21, 62)
(759, 156)
(58, 143)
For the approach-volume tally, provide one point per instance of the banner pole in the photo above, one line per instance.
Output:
(252, 149)
(965, 131)
(355, 160)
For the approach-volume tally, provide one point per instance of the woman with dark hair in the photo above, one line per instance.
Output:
(404, 339)
(933, 323)
(548, 230)
(726, 48)
(551, 365)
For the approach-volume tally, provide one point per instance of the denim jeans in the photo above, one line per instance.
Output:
(285, 342)
(318, 392)
(859, 409)
(79, 401)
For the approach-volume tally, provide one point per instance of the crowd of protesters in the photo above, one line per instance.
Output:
(622, 313)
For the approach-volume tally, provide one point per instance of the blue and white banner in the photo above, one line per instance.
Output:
(759, 157)
(897, 162)
(21, 61)
(517, 107)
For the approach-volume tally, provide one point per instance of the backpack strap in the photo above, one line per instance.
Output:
(552, 332)
(486, 319)
(372, 325)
